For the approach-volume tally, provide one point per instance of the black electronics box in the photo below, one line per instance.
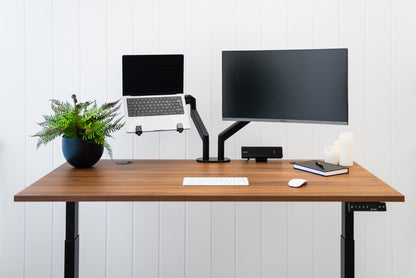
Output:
(261, 153)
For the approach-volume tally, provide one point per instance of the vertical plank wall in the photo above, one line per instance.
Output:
(53, 48)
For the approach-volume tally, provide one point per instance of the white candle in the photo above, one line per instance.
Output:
(346, 149)
(331, 154)
(336, 144)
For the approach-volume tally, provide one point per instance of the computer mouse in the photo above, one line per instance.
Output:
(297, 182)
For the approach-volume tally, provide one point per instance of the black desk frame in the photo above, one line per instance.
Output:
(347, 239)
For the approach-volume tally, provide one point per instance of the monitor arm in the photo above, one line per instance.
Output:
(199, 124)
(227, 133)
(203, 133)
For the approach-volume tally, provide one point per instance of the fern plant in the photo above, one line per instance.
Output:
(85, 120)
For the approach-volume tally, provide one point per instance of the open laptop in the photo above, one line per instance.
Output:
(153, 98)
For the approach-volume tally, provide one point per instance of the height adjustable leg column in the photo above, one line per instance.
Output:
(347, 242)
(71, 241)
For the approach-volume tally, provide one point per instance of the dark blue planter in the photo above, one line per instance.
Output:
(81, 154)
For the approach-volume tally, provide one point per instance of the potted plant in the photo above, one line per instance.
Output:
(84, 128)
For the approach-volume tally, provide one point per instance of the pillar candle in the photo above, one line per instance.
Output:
(346, 144)
(336, 144)
(331, 154)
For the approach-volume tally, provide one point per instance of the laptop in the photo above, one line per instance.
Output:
(153, 98)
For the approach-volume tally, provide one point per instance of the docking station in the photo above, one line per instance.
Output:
(261, 154)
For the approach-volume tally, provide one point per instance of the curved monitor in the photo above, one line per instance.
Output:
(308, 86)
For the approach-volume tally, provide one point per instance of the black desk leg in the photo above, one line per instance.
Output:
(71, 241)
(347, 242)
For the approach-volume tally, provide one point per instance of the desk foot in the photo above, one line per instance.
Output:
(71, 241)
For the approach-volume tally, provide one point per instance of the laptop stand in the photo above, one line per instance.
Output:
(139, 131)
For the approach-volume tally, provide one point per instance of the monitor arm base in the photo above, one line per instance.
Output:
(212, 160)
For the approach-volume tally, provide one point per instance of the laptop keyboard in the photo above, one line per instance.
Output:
(154, 106)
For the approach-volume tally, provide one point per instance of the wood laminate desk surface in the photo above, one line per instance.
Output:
(161, 180)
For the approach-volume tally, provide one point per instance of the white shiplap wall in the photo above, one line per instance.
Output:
(52, 48)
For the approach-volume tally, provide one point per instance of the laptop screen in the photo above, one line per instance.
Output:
(145, 75)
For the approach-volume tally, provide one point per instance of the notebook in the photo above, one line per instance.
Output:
(320, 168)
(153, 98)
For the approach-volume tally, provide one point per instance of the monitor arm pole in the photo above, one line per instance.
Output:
(199, 124)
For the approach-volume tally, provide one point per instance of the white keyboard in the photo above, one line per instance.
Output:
(215, 181)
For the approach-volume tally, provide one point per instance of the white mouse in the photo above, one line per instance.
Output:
(297, 182)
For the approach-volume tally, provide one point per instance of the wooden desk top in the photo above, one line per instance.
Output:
(161, 180)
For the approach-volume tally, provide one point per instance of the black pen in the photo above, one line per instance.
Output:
(320, 165)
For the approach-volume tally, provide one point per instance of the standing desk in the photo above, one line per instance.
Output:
(161, 180)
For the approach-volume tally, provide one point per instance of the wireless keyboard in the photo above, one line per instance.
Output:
(215, 181)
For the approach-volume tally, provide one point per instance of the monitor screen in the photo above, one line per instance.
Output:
(152, 75)
(308, 86)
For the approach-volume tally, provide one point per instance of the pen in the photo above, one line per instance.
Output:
(320, 165)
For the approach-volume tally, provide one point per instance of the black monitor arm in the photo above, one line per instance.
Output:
(199, 124)
(227, 133)
(203, 133)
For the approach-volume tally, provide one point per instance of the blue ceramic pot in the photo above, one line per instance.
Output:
(81, 154)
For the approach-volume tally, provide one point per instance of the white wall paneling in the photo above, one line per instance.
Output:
(248, 239)
(66, 80)
(274, 239)
(93, 63)
(146, 234)
(379, 129)
(146, 34)
(120, 240)
(53, 48)
(248, 36)
(300, 215)
(223, 239)
(223, 37)
(198, 240)
(403, 115)
(172, 239)
(353, 30)
(198, 70)
(119, 229)
(275, 36)
(12, 142)
(326, 216)
(172, 39)
(39, 83)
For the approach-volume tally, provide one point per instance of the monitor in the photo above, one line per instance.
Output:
(307, 86)
(152, 74)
